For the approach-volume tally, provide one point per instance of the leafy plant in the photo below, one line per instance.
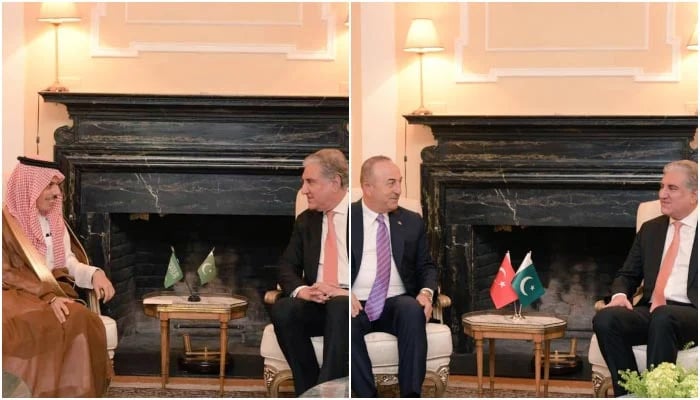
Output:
(665, 380)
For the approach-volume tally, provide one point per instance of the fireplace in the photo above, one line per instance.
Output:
(147, 172)
(566, 188)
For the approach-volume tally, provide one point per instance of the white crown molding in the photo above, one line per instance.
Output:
(299, 18)
(99, 11)
(636, 72)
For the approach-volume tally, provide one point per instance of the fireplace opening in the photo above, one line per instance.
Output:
(246, 250)
(576, 266)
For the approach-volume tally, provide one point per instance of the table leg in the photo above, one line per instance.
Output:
(538, 366)
(164, 350)
(222, 361)
(492, 363)
(546, 367)
(480, 364)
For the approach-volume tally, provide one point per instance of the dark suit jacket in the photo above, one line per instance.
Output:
(644, 261)
(409, 249)
(299, 263)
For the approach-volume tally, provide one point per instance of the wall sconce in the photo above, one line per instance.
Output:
(422, 38)
(693, 42)
(57, 13)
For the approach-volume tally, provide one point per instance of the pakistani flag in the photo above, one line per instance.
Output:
(174, 273)
(207, 271)
(526, 283)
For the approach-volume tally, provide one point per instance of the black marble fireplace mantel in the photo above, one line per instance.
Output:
(187, 154)
(534, 171)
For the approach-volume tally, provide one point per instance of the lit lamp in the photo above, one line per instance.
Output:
(422, 38)
(693, 42)
(57, 13)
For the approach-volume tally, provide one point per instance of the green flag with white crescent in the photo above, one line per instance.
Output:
(174, 272)
(526, 283)
(207, 270)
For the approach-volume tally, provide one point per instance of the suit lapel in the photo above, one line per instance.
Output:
(356, 234)
(397, 237)
(316, 226)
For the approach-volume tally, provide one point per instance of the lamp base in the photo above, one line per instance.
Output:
(56, 87)
(421, 111)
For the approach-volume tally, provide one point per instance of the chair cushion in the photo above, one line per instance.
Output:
(383, 349)
(686, 358)
(111, 331)
(272, 353)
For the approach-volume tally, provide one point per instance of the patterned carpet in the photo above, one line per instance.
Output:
(454, 391)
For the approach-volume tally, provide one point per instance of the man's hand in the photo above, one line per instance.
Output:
(330, 290)
(426, 303)
(311, 293)
(103, 287)
(59, 305)
(619, 301)
(356, 306)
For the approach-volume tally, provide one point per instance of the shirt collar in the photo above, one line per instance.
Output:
(690, 220)
(342, 207)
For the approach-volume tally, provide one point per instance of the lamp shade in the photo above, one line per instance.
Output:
(58, 12)
(693, 42)
(422, 37)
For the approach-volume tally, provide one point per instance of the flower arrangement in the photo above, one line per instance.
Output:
(665, 380)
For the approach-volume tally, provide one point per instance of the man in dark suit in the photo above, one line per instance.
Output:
(664, 255)
(393, 278)
(314, 275)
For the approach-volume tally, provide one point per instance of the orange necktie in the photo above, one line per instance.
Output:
(658, 298)
(330, 253)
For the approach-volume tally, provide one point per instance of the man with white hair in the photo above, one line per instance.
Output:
(665, 256)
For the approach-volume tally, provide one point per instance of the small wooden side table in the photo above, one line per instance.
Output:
(492, 324)
(165, 307)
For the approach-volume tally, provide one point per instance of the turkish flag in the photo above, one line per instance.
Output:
(502, 292)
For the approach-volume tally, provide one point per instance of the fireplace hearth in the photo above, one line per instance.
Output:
(553, 185)
(145, 172)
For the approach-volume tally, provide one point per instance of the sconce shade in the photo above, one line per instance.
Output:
(58, 12)
(693, 42)
(422, 37)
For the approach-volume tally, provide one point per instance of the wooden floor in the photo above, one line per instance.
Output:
(566, 386)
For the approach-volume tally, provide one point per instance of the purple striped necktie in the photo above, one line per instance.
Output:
(377, 296)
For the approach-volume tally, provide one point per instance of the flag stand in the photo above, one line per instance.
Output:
(194, 297)
(517, 311)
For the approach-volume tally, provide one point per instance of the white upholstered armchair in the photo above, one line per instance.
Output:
(600, 376)
(382, 347)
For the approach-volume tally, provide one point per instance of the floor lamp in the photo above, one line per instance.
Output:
(422, 38)
(57, 13)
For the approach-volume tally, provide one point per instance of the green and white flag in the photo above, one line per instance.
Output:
(207, 270)
(526, 283)
(174, 273)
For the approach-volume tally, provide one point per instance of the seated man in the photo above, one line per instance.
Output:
(393, 278)
(664, 255)
(54, 344)
(314, 275)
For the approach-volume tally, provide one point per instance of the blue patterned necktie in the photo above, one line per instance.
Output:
(377, 296)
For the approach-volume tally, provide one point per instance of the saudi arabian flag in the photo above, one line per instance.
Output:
(207, 270)
(174, 273)
(526, 283)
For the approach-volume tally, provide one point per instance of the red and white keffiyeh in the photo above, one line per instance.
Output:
(23, 189)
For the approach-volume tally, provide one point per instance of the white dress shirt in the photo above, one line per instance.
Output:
(368, 267)
(81, 272)
(677, 285)
(340, 222)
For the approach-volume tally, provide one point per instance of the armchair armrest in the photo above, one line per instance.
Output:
(443, 301)
(271, 296)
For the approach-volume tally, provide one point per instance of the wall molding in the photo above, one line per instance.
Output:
(134, 49)
(636, 72)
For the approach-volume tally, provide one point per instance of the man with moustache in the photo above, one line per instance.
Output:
(664, 255)
(314, 275)
(393, 278)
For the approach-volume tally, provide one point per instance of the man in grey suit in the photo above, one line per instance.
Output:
(314, 275)
(393, 278)
(664, 255)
